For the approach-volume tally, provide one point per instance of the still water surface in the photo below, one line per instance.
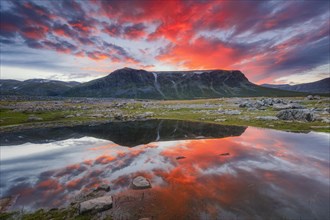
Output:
(228, 172)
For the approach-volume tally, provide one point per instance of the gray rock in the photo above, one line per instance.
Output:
(220, 120)
(231, 112)
(97, 115)
(296, 106)
(296, 114)
(287, 106)
(102, 187)
(145, 115)
(95, 205)
(140, 182)
(69, 116)
(262, 108)
(327, 110)
(34, 118)
(246, 118)
(325, 120)
(267, 118)
(309, 97)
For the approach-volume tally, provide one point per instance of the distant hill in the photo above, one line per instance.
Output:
(321, 86)
(141, 84)
(35, 87)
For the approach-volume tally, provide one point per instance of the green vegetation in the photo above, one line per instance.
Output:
(18, 114)
(69, 213)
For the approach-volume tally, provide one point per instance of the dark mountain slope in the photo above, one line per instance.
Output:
(132, 83)
(321, 86)
(35, 87)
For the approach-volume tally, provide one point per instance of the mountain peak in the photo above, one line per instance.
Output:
(189, 84)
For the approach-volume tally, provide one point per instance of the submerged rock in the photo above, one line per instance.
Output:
(180, 157)
(103, 187)
(296, 114)
(95, 205)
(141, 182)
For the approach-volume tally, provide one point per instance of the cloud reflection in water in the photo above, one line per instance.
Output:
(267, 174)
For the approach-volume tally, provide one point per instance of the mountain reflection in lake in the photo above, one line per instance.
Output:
(253, 174)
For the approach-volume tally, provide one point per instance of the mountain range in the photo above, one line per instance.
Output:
(130, 134)
(321, 86)
(35, 87)
(142, 84)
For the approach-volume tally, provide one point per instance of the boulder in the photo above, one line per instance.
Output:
(231, 112)
(267, 118)
(141, 182)
(309, 97)
(326, 110)
(96, 205)
(296, 114)
(145, 115)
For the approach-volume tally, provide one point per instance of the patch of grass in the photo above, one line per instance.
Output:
(69, 213)
(7, 216)
(163, 110)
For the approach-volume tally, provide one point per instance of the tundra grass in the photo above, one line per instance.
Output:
(164, 110)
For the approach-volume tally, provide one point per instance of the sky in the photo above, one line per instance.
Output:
(269, 41)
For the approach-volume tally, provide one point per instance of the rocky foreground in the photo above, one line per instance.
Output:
(97, 203)
(292, 114)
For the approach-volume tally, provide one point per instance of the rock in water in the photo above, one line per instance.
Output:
(140, 182)
(296, 114)
(95, 205)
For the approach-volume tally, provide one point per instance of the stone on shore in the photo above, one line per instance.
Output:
(141, 182)
(96, 205)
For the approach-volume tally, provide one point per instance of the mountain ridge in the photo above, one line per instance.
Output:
(194, 84)
(35, 87)
(320, 86)
(142, 84)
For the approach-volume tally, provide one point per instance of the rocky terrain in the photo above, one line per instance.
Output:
(321, 86)
(293, 113)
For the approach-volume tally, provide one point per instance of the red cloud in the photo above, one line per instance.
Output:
(203, 53)
(34, 33)
(97, 55)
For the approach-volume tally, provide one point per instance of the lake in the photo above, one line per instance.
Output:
(197, 170)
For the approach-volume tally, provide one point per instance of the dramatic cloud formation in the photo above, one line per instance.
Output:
(267, 40)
